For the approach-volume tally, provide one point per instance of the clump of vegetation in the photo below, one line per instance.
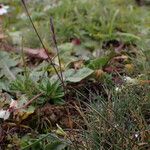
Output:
(117, 121)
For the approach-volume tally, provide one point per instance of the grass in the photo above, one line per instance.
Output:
(118, 121)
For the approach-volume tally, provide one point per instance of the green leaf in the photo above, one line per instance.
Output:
(73, 75)
(55, 146)
(4, 84)
(98, 63)
(65, 48)
(8, 66)
(51, 91)
(39, 71)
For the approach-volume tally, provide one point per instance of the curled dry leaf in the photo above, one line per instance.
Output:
(78, 64)
(36, 53)
(99, 74)
(122, 58)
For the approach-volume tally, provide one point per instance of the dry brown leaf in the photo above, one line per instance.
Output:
(37, 53)
(121, 58)
(77, 64)
(99, 74)
(129, 68)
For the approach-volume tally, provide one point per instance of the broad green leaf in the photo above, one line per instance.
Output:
(66, 47)
(4, 84)
(39, 71)
(65, 51)
(98, 63)
(73, 75)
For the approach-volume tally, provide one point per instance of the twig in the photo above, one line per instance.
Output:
(46, 51)
(30, 101)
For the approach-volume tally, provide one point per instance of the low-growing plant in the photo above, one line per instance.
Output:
(52, 92)
(24, 85)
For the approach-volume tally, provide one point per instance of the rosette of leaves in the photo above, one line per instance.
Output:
(52, 91)
(24, 85)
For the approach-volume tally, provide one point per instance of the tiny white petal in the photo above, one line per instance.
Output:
(3, 9)
(4, 114)
(136, 135)
(116, 125)
(130, 80)
(117, 89)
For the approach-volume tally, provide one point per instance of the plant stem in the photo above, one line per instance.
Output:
(31, 100)
(55, 44)
(46, 51)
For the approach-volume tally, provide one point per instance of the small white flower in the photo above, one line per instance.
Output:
(116, 125)
(136, 135)
(118, 89)
(130, 80)
(4, 114)
(3, 9)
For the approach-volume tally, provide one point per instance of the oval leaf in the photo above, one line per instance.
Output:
(74, 76)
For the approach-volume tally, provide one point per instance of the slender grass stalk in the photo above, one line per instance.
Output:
(55, 44)
(26, 72)
(46, 51)
(112, 22)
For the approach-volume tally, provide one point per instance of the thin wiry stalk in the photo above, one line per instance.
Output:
(23, 59)
(46, 51)
(55, 44)
(30, 101)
